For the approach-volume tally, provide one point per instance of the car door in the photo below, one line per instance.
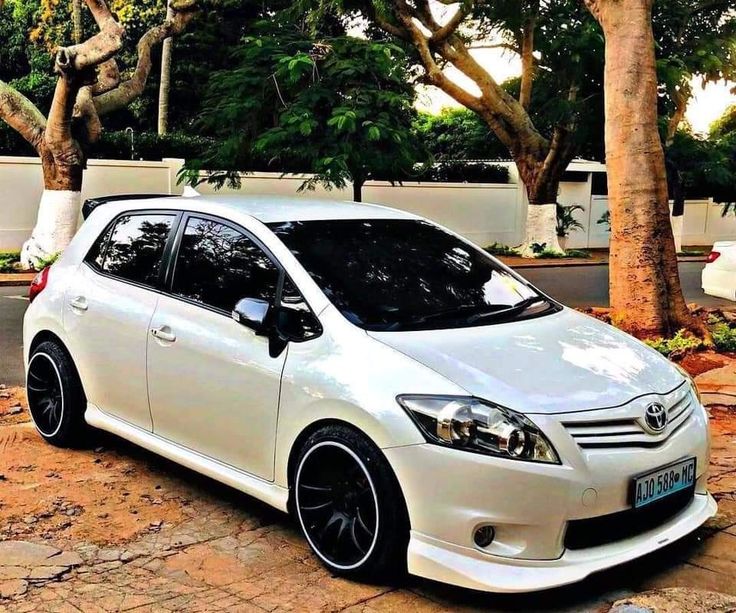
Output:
(108, 308)
(213, 384)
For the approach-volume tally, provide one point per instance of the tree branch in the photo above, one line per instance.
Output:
(527, 61)
(127, 91)
(58, 135)
(21, 115)
(454, 22)
(435, 76)
(681, 97)
(95, 50)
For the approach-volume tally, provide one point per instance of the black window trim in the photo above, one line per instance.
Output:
(156, 287)
(170, 253)
(173, 254)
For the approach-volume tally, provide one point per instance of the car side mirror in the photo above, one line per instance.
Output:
(253, 313)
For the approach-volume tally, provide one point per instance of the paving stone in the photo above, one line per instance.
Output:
(21, 553)
(108, 555)
(13, 588)
(13, 572)
(46, 572)
(676, 600)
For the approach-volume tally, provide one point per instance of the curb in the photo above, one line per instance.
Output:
(24, 279)
(16, 279)
(572, 263)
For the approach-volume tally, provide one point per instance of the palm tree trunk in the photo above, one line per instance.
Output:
(77, 21)
(165, 82)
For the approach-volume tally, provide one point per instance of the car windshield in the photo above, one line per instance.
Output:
(406, 274)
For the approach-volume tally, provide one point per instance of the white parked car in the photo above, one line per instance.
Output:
(719, 274)
(410, 400)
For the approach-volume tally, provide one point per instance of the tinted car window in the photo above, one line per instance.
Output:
(217, 266)
(399, 274)
(97, 252)
(134, 247)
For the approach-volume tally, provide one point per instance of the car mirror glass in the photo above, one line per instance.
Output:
(252, 313)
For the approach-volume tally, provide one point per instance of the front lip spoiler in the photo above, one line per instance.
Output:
(470, 568)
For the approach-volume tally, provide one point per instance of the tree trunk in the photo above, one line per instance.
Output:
(645, 293)
(77, 21)
(541, 216)
(677, 195)
(58, 212)
(358, 190)
(165, 82)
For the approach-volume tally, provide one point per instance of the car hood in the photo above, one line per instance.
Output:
(557, 363)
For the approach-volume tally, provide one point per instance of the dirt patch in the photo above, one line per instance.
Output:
(699, 363)
(97, 495)
(722, 421)
(12, 406)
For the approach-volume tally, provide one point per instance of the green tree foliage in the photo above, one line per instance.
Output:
(458, 134)
(30, 30)
(694, 40)
(340, 108)
(707, 167)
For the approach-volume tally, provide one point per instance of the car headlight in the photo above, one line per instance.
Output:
(690, 380)
(471, 424)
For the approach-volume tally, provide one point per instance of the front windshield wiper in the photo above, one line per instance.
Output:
(510, 311)
(469, 314)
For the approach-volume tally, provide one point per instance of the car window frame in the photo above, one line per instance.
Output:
(174, 255)
(165, 254)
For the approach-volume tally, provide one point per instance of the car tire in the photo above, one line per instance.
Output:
(56, 400)
(349, 505)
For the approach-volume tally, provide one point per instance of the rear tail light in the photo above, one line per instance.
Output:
(38, 284)
(713, 256)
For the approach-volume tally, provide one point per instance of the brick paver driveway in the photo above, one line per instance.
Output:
(115, 528)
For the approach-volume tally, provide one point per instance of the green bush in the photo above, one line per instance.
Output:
(9, 260)
(546, 254)
(466, 172)
(682, 342)
(724, 337)
(499, 249)
(149, 146)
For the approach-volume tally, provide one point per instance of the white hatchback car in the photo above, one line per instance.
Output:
(411, 400)
(719, 274)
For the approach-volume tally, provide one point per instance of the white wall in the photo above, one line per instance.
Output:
(21, 185)
(485, 213)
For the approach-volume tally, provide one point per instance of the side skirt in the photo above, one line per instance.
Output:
(266, 491)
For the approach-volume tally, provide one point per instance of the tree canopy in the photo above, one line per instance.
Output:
(338, 107)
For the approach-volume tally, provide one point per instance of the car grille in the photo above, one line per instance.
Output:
(596, 531)
(628, 431)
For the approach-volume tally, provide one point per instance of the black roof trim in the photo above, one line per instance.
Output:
(92, 203)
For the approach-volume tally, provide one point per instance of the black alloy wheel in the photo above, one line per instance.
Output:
(337, 504)
(45, 394)
(56, 399)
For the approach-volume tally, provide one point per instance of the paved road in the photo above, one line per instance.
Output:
(581, 286)
(12, 306)
(577, 286)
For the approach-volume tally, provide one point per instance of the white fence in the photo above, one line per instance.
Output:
(485, 213)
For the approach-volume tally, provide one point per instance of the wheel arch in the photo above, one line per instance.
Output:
(313, 427)
(47, 335)
(302, 437)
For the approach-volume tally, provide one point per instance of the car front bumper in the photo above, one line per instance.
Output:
(450, 493)
(473, 569)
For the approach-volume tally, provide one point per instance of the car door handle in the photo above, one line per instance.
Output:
(79, 303)
(163, 333)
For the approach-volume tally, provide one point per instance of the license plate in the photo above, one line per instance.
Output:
(663, 482)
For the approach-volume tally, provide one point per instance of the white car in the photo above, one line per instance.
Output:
(719, 274)
(413, 402)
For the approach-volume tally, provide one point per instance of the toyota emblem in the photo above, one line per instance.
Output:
(655, 417)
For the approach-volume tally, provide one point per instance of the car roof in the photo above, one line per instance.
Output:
(273, 208)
